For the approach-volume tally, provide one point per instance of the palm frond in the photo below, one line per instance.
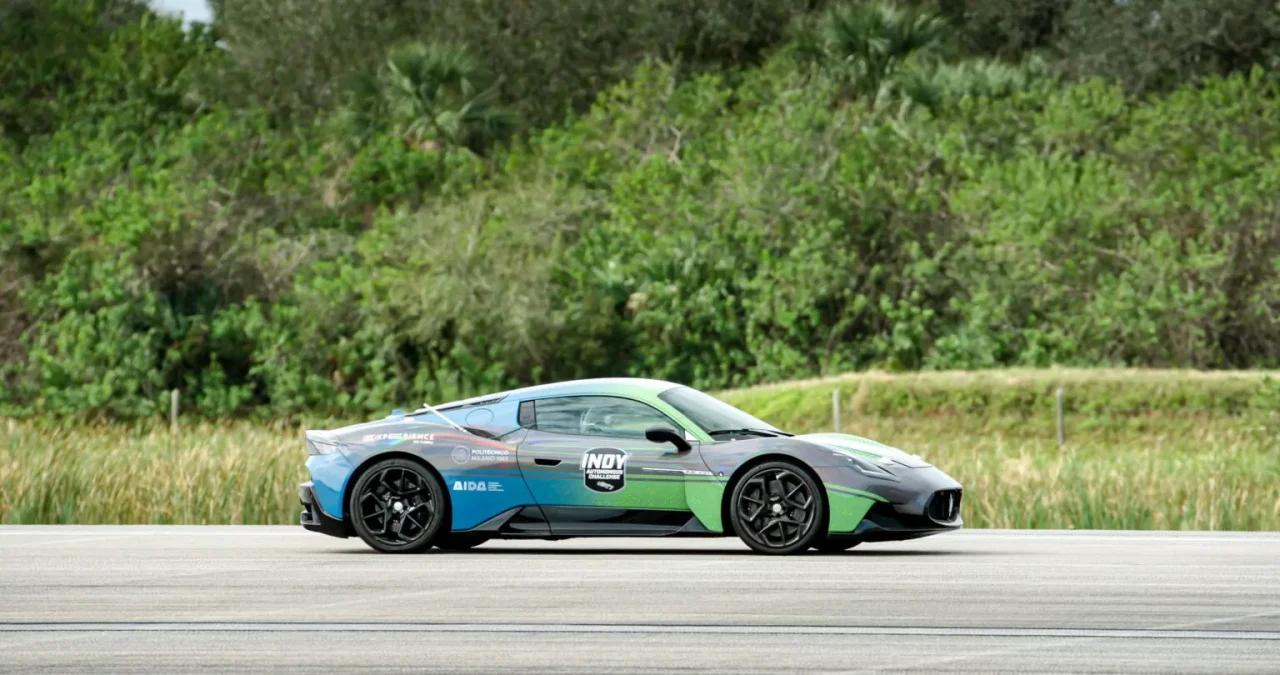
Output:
(933, 86)
(869, 42)
(364, 109)
(439, 91)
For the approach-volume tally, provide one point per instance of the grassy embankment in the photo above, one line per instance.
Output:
(1145, 449)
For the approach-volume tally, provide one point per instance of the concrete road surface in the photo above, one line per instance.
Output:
(268, 599)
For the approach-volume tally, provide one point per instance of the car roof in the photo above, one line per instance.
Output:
(617, 386)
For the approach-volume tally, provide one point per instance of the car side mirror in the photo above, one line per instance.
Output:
(662, 434)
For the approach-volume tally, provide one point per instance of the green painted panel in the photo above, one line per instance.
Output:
(846, 510)
(669, 495)
(704, 498)
(860, 493)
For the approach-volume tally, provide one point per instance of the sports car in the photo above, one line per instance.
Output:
(613, 457)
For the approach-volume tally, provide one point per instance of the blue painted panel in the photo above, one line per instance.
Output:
(330, 474)
(480, 494)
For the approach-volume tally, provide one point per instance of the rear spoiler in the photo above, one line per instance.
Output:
(320, 442)
(448, 421)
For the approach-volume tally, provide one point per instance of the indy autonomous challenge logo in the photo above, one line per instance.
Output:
(604, 469)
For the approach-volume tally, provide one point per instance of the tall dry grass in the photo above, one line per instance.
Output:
(210, 473)
(1199, 458)
(1187, 474)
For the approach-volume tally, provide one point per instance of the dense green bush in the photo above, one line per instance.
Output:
(294, 224)
(1146, 45)
(1156, 45)
(293, 56)
(1122, 233)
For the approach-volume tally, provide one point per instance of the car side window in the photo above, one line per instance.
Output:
(598, 416)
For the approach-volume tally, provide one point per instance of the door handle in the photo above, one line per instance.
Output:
(546, 461)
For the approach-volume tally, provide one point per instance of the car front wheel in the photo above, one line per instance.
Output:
(778, 508)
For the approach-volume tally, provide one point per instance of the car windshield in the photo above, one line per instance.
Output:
(711, 413)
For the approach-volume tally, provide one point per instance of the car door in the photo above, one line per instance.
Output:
(588, 465)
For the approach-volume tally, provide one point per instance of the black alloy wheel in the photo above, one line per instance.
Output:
(778, 508)
(398, 506)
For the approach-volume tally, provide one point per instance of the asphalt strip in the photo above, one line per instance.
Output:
(286, 627)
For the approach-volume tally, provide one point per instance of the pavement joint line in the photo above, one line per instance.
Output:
(42, 638)
(357, 601)
(1224, 619)
(61, 542)
(1174, 627)
(972, 602)
(724, 629)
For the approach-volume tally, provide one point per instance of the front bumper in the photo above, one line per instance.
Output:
(315, 519)
(889, 522)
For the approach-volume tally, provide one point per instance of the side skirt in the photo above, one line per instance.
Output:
(584, 521)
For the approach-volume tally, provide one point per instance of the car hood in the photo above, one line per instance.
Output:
(866, 448)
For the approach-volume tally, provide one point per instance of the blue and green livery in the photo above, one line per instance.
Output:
(613, 457)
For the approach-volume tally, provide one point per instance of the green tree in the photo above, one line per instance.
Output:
(292, 56)
(437, 93)
(433, 97)
(65, 60)
(1157, 45)
(1007, 29)
(867, 44)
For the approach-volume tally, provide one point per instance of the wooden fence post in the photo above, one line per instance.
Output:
(835, 409)
(1062, 432)
(173, 412)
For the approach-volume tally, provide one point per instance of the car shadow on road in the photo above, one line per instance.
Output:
(674, 551)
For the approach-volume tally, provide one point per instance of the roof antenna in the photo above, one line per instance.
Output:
(446, 419)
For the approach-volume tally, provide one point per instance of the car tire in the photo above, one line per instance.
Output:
(835, 545)
(778, 508)
(399, 506)
(459, 542)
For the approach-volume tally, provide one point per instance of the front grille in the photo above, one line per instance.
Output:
(944, 506)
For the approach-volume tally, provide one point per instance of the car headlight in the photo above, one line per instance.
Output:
(879, 469)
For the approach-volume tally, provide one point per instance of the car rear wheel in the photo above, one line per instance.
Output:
(778, 508)
(398, 506)
(459, 542)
